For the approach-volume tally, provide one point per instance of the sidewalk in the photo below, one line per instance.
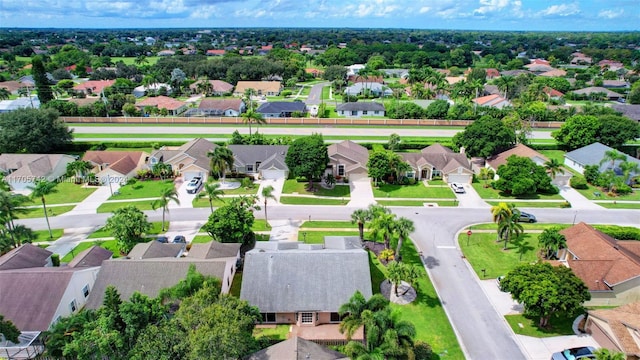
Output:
(70, 239)
(91, 203)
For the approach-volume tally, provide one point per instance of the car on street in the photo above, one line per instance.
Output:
(179, 239)
(526, 217)
(194, 185)
(585, 352)
(163, 239)
(457, 188)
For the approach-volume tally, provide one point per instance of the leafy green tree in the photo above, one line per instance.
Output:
(352, 311)
(591, 173)
(378, 165)
(612, 156)
(231, 223)
(9, 330)
(161, 341)
(212, 192)
(267, 193)
(43, 85)
(486, 174)
(521, 176)
(32, 131)
(577, 131)
(128, 225)
(78, 168)
(510, 227)
(545, 290)
(551, 241)
(221, 160)
(40, 190)
(168, 195)
(63, 331)
(4, 94)
(308, 157)
(394, 142)
(252, 116)
(500, 213)
(553, 167)
(10, 209)
(615, 130)
(606, 354)
(437, 109)
(360, 216)
(485, 137)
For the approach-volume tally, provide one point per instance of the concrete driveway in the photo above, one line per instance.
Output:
(470, 198)
(186, 199)
(577, 200)
(361, 192)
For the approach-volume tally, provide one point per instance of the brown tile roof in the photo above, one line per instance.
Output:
(12, 86)
(438, 156)
(215, 52)
(121, 161)
(93, 256)
(213, 250)
(624, 322)
(263, 86)
(518, 150)
(84, 101)
(161, 102)
(216, 85)
(220, 104)
(25, 256)
(552, 92)
(598, 259)
(95, 86)
(554, 73)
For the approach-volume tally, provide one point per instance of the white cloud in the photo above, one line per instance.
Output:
(490, 6)
(424, 10)
(611, 14)
(561, 10)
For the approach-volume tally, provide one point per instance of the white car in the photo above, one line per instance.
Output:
(194, 185)
(457, 188)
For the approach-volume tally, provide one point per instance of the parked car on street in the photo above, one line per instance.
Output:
(526, 217)
(163, 239)
(179, 239)
(194, 185)
(585, 352)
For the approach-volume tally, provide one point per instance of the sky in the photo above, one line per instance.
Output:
(521, 15)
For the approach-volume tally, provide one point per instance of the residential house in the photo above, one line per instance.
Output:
(260, 161)
(354, 69)
(373, 88)
(305, 284)
(14, 86)
(93, 87)
(282, 109)
(227, 253)
(611, 65)
(630, 111)
(615, 84)
(347, 159)
(437, 161)
(93, 256)
(554, 73)
(188, 160)
(314, 72)
(19, 103)
(173, 106)
(593, 90)
(616, 329)
(365, 79)
(115, 166)
(358, 109)
(515, 72)
(217, 87)
(610, 268)
(215, 52)
(219, 107)
(166, 53)
(296, 348)
(259, 88)
(24, 257)
(592, 155)
(553, 93)
(23, 170)
(521, 150)
(149, 276)
(143, 90)
(494, 101)
(539, 68)
(580, 59)
(492, 73)
(156, 249)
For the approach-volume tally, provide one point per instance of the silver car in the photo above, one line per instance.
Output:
(586, 352)
(194, 185)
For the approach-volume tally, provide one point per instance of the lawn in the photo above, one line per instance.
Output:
(329, 224)
(558, 326)
(110, 245)
(590, 192)
(43, 235)
(156, 228)
(142, 189)
(260, 225)
(417, 191)
(298, 200)
(532, 204)
(553, 154)
(236, 285)
(526, 226)
(293, 186)
(204, 202)
(152, 60)
(490, 193)
(276, 332)
(416, 202)
(483, 252)
(317, 237)
(67, 193)
(111, 207)
(201, 239)
(617, 205)
(37, 212)
(437, 182)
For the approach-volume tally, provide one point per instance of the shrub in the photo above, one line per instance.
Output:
(55, 259)
(386, 255)
(591, 173)
(412, 181)
(623, 189)
(620, 232)
(565, 205)
(578, 182)
(247, 183)
(132, 181)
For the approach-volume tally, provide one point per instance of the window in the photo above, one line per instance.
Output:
(335, 317)
(340, 170)
(364, 112)
(85, 291)
(410, 174)
(307, 318)
(354, 113)
(376, 112)
(257, 165)
(73, 306)
(268, 317)
(249, 168)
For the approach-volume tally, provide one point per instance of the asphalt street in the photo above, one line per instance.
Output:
(315, 93)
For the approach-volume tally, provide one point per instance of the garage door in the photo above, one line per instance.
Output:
(274, 174)
(459, 178)
(188, 175)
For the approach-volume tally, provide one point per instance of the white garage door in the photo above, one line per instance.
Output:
(188, 175)
(273, 174)
(459, 178)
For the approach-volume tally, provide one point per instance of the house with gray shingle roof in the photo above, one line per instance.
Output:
(628, 110)
(93, 256)
(296, 348)
(216, 87)
(23, 170)
(360, 108)
(592, 90)
(25, 256)
(347, 158)
(156, 249)
(439, 161)
(374, 88)
(218, 107)
(592, 155)
(260, 161)
(189, 160)
(305, 284)
(281, 109)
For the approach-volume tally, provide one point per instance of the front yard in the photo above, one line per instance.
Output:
(142, 189)
(292, 186)
(489, 193)
(416, 191)
(67, 193)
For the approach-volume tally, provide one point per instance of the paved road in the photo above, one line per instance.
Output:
(315, 94)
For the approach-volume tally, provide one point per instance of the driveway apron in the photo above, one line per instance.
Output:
(361, 192)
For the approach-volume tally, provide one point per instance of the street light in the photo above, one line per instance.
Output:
(468, 236)
(109, 181)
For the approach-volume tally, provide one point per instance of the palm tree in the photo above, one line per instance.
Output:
(352, 311)
(212, 192)
(4, 94)
(168, 195)
(10, 208)
(252, 116)
(510, 226)
(395, 274)
(553, 167)
(360, 216)
(505, 83)
(141, 60)
(551, 241)
(485, 174)
(221, 161)
(627, 168)
(41, 189)
(411, 275)
(500, 212)
(613, 155)
(404, 227)
(78, 168)
(267, 193)
(383, 225)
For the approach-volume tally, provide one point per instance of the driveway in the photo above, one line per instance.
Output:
(361, 192)
(91, 203)
(470, 198)
(315, 94)
(186, 199)
(577, 200)
(277, 185)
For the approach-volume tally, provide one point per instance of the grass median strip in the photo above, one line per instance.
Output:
(110, 207)
(38, 212)
(299, 200)
(420, 203)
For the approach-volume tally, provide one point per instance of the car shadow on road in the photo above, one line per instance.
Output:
(431, 262)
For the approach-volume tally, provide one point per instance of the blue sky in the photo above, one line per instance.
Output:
(550, 15)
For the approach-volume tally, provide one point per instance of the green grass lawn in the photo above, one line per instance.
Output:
(437, 182)
(204, 202)
(611, 205)
(37, 212)
(483, 252)
(156, 228)
(200, 239)
(490, 193)
(277, 332)
(558, 326)
(152, 60)
(415, 202)
(317, 237)
(260, 225)
(142, 189)
(292, 186)
(43, 235)
(526, 226)
(110, 207)
(296, 200)
(67, 193)
(110, 245)
(417, 191)
(591, 190)
(236, 285)
(533, 204)
(554, 154)
(328, 224)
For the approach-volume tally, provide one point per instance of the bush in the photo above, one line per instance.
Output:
(55, 259)
(578, 182)
(623, 189)
(386, 255)
(132, 181)
(591, 173)
(620, 232)
(247, 183)
(412, 181)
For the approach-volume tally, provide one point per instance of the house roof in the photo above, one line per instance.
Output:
(25, 256)
(195, 149)
(552, 92)
(13, 86)
(250, 154)
(263, 86)
(630, 111)
(30, 297)
(87, 101)
(360, 106)
(147, 276)
(217, 85)
(299, 277)
(281, 107)
(554, 73)
(214, 250)
(31, 165)
(93, 256)
(539, 67)
(598, 89)
(122, 162)
(349, 150)
(514, 72)
(216, 52)
(615, 83)
(592, 155)
(598, 259)
(95, 86)
(221, 104)
(494, 100)
(624, 322)
(161, 102)
(155, 249)
(296, 348)
(374, 87)
(438, 156)
(518, 150)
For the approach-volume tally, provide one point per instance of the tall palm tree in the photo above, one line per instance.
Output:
(553, 167)
(267, 193)
(352, 311)
(404, 227)
(550, 240)
(485, 174)
(252, 116)
(395, 274)
(383, 225)
(510, 226)
(10, 208)
(612, 156)
(221, 161)
(360, 216)
(627, 168)
(212, 192)
(500, 212)
(78, 168)
(504, 83)
(168, 195)
(141, 60)
(41, 189)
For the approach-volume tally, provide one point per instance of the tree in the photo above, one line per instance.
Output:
(383, 225)
(629, 168)
(606, 354)
(395, 274)
(577, 131)
(43, 85)
(4, 94)
(212, 192)
(9, 330)
(78, 168)
(10, 208)
(615, 130)
(404, 227)
(360, 216)
(267, 193)
(351, 312)
(128, 225)
(553, 167)
(486, 174)
(394, 142)
(509, 226)
(521, 176)
(232, 223)
(221, 160)
(500, 213)
(612, 156)
(35, 131)
(505, 83)
(485, 137)
(308, 157)
(551, 241)
(252, 116)
(41, 189)
(167, 195)
(378, 165)
(546, 290)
